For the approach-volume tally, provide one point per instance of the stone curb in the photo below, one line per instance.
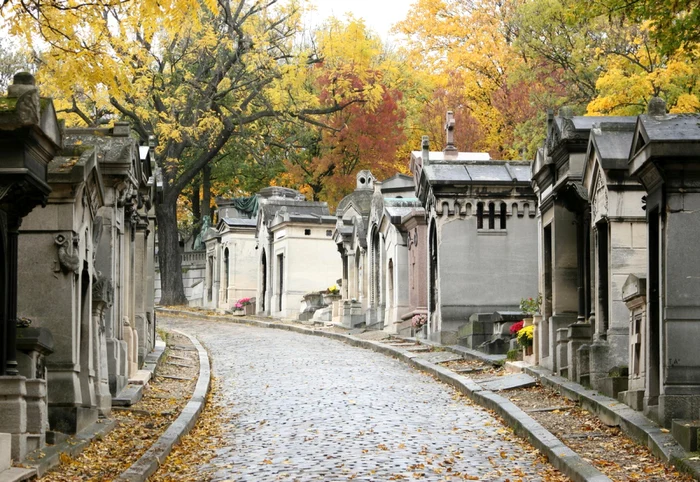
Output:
(615, 413)
(559, 455)
(159, 451)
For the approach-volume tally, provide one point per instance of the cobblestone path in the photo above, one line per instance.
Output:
(309, 408)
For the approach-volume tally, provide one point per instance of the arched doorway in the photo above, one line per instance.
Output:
(390, 290)
(374, 260)
(263, 288)
(433, 279)
(226, 274)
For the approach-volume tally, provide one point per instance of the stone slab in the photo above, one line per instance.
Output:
(440, 357)
(129, 395)
(17, 474)
(141, 377)
(508, 382)
(418, 349)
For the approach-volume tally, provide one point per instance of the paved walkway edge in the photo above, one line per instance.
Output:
(159, 451)
(558, 454)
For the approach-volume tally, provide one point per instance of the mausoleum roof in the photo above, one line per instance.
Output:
(612, 141)
(478, 172)
(671, 127)
(240, 222)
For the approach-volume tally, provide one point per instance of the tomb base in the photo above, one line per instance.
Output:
(682, 405)
(71, 419)
(632, 398)
(13, 407)
(579, 334)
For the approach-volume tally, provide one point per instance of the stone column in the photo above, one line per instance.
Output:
(140, 321)
(102, 298)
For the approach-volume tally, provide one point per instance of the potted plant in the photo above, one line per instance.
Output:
(331, 294)
(530, 307)
(245, 305)
(418, 322)
(526, 336)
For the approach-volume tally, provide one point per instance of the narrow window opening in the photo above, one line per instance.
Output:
(503, 215)
(492, 216)
(480, 216)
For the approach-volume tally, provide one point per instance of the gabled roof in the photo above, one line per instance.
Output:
(478, 172)
(611, 141)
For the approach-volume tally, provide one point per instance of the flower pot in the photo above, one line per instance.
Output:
(329, 298)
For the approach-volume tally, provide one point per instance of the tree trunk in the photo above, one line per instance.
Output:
(196, 211)
(172, 290)
(206, 194)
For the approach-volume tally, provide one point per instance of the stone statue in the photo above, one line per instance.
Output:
(199, 240)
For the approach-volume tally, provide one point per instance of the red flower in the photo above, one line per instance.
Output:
(515, 328)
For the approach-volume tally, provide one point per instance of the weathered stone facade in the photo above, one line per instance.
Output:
(664, 157)
(481, 234)
(232, 267)
(297, 253)
(29, 140)
(84, 293)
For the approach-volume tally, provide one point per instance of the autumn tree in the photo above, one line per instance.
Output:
(197, 75)
(469, 47)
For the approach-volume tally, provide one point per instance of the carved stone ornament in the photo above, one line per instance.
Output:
(28, 108)
(67, 261)
(103, 290)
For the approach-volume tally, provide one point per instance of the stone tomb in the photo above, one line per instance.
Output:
(482, 234)
(666, 159)
(57, 249)
(617, 249)
(29, 139)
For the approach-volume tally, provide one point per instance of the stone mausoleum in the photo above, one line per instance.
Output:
(482, 236)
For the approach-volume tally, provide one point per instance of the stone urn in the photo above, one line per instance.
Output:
(329, 298)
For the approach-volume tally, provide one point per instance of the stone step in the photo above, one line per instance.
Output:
(419, 349)
(471, 370)
(508, 382)
(129, 395)
(439, 357)
(141, 377)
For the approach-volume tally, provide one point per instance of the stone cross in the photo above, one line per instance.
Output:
(450, 131)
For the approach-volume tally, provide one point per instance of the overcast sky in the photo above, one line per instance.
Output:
(379, 15)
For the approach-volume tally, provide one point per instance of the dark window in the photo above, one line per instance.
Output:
(492, 216)
(503, 215)
(480, 216)
(307, 232)
(329, 232)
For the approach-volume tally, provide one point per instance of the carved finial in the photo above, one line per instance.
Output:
(656, 106)
(450, 131)
(425, 146)
(567, 112)
(27, 95)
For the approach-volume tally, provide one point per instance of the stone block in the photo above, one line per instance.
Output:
(13, 405)
(475, 328)
(685, 432)
(71, 419)
(632, 398)
(37, 411)
(611, 386)
(507, 382)
(684, 406)
(5, 451)
(497, 346)
(141, 377)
